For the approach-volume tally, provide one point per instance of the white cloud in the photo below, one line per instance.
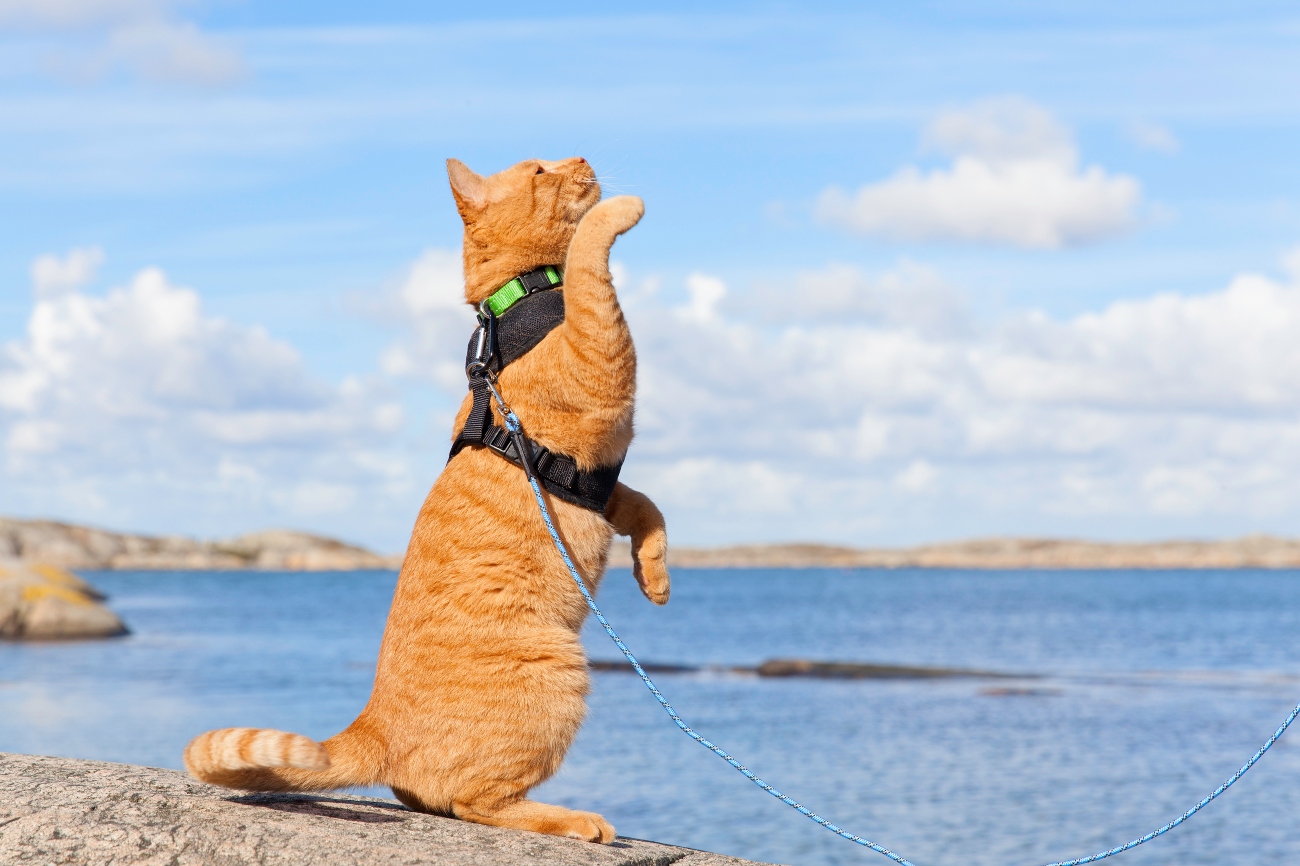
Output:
(141, 387)
(917, 477)
(911, 296)
(1015, 179)
(630, 294)
(825, 420)
(431, 303)
(705, 294)
(741, 488)
(79, 13)
(1291, 264)
(315, 497)
(1153, 136)
(167, 51)
(1231, 350)
(141, 36)
(53, 276)
(1001, 131)
(832, 405)
(1180, 489)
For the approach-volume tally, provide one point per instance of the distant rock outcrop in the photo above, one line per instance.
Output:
(44, 602)
(71, 546)
(83, 547)
(1253, 551)
(86, 813)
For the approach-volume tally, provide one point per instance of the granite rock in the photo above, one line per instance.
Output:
(1251, 551)
(58, 810)
(43, 602)
(71, 546)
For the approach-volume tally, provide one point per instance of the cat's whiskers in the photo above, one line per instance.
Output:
(609, 183)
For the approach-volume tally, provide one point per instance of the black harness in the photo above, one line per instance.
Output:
(496, 342)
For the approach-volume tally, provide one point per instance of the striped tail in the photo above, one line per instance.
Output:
(254, 759)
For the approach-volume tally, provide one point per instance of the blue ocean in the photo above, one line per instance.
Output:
(1149, 689)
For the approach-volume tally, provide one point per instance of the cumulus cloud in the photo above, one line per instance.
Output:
(103, 391)
(53, 276)
(1229, 351)
(144, 37)
(1015, 178)
(833, 404)
(911, 296)
(705, 294)
(888, 408)
(431, 303)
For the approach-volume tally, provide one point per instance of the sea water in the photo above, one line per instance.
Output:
(1151, 689)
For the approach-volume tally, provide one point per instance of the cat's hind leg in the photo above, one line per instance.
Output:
(500, 802)
(523, 814)
(507, 710)
(634, 515)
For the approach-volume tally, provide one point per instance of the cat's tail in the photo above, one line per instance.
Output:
(254, 759)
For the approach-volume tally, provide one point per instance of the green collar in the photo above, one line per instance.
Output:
(546, 277)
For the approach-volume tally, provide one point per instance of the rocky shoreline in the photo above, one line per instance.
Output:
(80, 547)
(86, 813)
(43, 602)
(1253, 551)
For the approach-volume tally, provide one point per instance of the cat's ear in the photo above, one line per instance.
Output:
(468, 188)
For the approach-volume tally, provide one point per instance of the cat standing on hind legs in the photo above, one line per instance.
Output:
(482, 679)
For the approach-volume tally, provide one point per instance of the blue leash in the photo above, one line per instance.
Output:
(516, 429)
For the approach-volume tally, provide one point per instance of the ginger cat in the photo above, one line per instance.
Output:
(482, 680)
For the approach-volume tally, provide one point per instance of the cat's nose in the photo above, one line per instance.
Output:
(580, 160)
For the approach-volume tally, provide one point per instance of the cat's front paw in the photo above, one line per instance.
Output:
(652, 576)
(616, 215)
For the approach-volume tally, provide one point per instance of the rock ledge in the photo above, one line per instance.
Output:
(57, 810)
(43, 602)
(71, 546)
(1252, 551)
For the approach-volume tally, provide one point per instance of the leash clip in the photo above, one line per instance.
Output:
(485, 348)
(512, 424)
(490, 378)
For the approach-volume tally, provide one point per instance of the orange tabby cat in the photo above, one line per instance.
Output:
(481, 682)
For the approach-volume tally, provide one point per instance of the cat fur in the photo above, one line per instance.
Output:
(482, 680)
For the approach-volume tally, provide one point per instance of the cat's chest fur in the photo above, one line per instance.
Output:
(575, 401)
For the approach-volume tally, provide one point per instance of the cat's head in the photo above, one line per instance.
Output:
(519, 219)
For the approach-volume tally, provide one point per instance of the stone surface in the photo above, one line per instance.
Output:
(57, 810)
(43, 602)
(71, 546)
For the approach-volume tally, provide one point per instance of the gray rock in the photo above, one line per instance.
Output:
(44, 602)
(57, 810)
(71, 546)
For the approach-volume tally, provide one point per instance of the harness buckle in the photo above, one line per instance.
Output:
(511, 443)
(535, 281)
(542, 458)
(507, 444)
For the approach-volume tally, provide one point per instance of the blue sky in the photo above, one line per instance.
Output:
(1020, 271)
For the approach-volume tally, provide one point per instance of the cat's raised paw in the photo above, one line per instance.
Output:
(616, 215)
(652, 576)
